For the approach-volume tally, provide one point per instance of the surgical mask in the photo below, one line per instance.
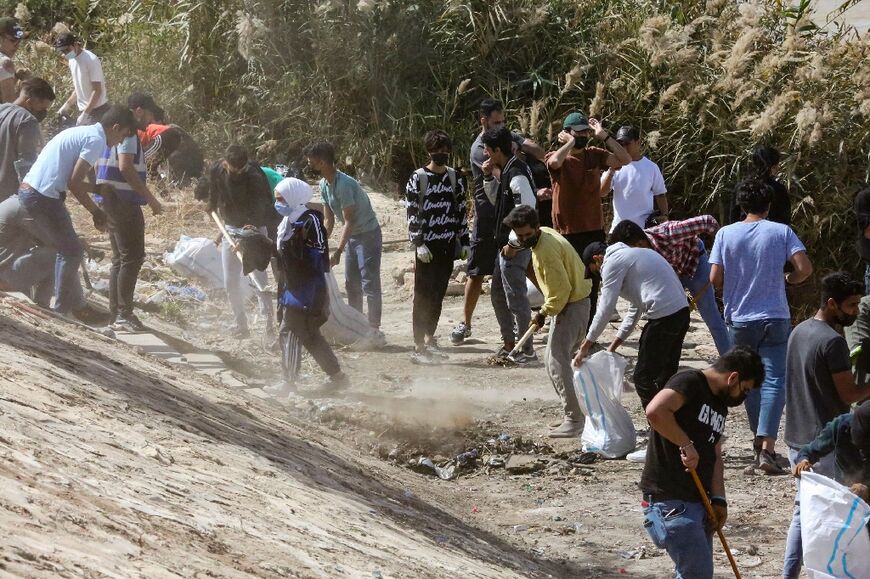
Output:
(40, 115)
(283, 209)
(531, 241)
(71, 55)
(439, 159)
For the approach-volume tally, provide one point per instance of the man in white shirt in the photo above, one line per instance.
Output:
(11, 35)
(639, 187)
(89, 96)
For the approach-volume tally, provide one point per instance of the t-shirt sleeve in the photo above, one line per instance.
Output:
(793, 244)
(658, 186)
(128, 146)
(837, 356)
(95, 69)
(684, 383)
(92, 149)
(716, 252)
(346, 192)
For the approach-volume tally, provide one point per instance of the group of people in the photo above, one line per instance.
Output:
(537, 220)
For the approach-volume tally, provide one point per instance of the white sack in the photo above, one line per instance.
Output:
(598, 384)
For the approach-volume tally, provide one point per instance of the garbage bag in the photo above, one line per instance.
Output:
(598, 384)
(536, 298)
(833, 529)
(347, 326)
(197, 257)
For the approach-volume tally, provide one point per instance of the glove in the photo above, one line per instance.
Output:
(721, 512)
(539, 320)
(83, 119)
(465, 252)
(423, 254)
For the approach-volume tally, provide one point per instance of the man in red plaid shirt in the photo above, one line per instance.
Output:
(679, 242)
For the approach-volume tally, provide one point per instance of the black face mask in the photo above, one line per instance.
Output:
(40, 115)
(731, 402)
(440, 159)
(531, 242)
(846, 319)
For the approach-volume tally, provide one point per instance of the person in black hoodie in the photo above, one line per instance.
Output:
(303, 298)
(238, 190)
(765, 165)
(513, 187)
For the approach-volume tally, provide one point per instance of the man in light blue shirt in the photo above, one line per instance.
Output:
(747, 263)
(63, 165)
(361, 241)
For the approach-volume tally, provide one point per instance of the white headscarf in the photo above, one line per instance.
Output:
(292, 195)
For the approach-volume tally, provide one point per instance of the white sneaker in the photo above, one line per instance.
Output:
(637, 456)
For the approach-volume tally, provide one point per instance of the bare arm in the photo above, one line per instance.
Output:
(532, 149)
(328, 219)
(558, 158)
(606, 184)
(662, 204)
(803, 269)
(718, 485)
(128, 169)
(618, 157)
(717, 275)
(97, 92)
(847, 390)
(349, 214)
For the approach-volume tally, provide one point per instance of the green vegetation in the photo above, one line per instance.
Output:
(706, 80)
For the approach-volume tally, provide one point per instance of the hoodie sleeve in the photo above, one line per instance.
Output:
(461, 211)
(412, 202)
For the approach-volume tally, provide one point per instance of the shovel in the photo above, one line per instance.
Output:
(712, 516)
(235, 247)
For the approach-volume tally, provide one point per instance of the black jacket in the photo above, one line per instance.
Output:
(241, 200)
(506, 199)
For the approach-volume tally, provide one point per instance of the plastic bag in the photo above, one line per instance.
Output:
(598, 384)
(833, 529)
(536, 298)
(197, 257)
(346, 326)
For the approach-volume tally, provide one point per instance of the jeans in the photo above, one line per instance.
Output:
(794, 556)
(658, 353)
(55, 226)
(430, 285)
(678, 527)
(33, 273)
(769, 338)
(233, 278)
(510, 297)
(127, 237)
(566, 329)
(580, 241)
(362, 273)
(706, 304)
(298, 327)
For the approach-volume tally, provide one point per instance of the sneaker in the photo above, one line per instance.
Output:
(637, 456)
(460, 333)
(435, 351)
(423, 358)
(129, 323)
(502, 353)
(568, 429)
(768, 464)
(522, 359)
(91, 316)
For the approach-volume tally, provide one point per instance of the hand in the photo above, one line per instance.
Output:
(564, 137)
(721, 512)
(614, 345)
(582, 353)
(156, 207)
(802, 467)
(335, 258)
(544, 194)
(861, 490)
(600, 133)
(66, 110)
(465, 252)
(486, 167)
(690, 457)
(509, 251)
(538, 320)
(100, 220)
(423, 254)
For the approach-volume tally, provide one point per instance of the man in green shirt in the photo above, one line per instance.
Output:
(360, 240)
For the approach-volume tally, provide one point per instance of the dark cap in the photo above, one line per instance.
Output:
(576, 121)
(627, 133)
(140, 100)
(861, 428)
(593, 249)
(65, 39)
(10, 27)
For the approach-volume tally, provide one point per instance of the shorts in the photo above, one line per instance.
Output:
(481, 259)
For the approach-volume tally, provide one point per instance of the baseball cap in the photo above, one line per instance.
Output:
(65, 39)
(593, 249)
(141, 100)
(627, 133)
(576, 121)
(10, 27)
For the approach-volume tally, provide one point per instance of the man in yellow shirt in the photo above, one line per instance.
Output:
(562, 279)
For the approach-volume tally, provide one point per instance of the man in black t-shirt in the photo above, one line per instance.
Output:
(688, 419)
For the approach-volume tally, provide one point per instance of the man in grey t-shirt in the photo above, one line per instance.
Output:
(20, 138)
(819, 384)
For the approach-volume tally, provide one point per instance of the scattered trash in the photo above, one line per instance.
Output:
(523, 463)
(474, 509)
(408, 494)
(377, 575)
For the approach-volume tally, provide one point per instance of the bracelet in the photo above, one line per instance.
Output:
(685, 446)
(717, 500)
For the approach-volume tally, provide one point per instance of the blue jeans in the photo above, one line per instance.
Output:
(362, 273)
(769, 338)
(794, 555)
(707, 303)
(33, 273)
(678, 527)
(56, 228)
(510, 298)
(867, 279)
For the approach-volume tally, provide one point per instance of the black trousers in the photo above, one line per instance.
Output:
(658, 355)
(127, 237)
(580, 241)
(430, 285)
(298, 325)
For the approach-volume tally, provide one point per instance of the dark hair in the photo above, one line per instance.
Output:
(522, 215)
(321, 150)
(498, 139)
(839, 286)
(437, 139)
(753, 196)
(37, 88)
(743, 360)
(764, 158)
(118, 115)
(628, 133)
(236, 156)
(627, 232)
(489, 106)
(141, 100)
(593, 249)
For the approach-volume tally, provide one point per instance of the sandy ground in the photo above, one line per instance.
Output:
(117, 464)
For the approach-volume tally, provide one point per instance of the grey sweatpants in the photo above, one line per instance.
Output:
(566, 331)
(510, 297)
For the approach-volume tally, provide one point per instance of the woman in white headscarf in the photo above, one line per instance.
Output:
(303, 299)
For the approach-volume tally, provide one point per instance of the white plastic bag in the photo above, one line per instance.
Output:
(346, 326)
(833, 529)
(598, 384)
(197, 257)
(536, 298)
